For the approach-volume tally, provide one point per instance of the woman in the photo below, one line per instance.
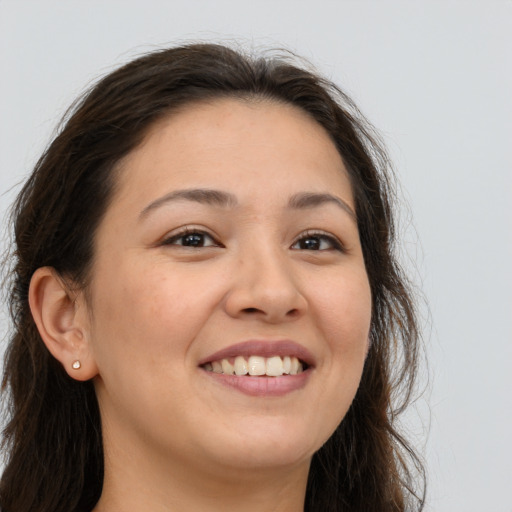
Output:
(207, 310)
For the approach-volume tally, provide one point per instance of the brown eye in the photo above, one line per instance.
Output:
(192, 239)
(317, 242)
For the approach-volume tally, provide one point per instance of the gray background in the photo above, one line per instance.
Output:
(435, 78)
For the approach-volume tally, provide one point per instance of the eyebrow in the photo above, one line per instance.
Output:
(299, 201)
(306, 200)
(198, 195)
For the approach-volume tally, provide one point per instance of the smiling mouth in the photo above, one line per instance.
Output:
(257, 366)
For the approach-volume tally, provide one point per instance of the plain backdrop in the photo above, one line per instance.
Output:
(435, 78)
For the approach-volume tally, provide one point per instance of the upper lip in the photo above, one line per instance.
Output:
(263, 348)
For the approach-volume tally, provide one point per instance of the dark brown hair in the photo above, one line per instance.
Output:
(53, 435)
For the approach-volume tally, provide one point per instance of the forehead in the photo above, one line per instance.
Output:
(236, 145)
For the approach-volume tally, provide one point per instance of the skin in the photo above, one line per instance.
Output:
(176, 439)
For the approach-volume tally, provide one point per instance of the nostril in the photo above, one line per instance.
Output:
(292, 313)
(251, 310)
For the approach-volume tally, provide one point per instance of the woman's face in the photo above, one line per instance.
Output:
(230, 245)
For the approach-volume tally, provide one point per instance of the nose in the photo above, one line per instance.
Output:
(265, 286)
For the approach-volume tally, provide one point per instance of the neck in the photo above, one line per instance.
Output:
(135, 482)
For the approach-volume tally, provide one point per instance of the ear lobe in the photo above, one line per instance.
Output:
(60, 318)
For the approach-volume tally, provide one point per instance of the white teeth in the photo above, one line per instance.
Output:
(294, 367)
(217, 366)
(227, 367)
(287, 364)
(257, 365)
(241, 367)
(274, 366)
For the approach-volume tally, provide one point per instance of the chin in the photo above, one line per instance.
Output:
(267, 443)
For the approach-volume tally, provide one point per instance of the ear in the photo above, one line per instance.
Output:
(62, 320)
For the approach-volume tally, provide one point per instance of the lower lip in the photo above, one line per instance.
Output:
(263, 386)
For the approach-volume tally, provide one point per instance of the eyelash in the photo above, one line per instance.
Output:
(321, 236)
(171, 240)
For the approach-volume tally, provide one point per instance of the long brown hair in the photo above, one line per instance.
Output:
(53, 435)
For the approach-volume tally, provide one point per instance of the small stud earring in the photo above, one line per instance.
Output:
(76, 365)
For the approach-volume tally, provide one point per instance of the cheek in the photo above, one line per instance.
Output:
(148, 312)
(344, 312)
(343, 315)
